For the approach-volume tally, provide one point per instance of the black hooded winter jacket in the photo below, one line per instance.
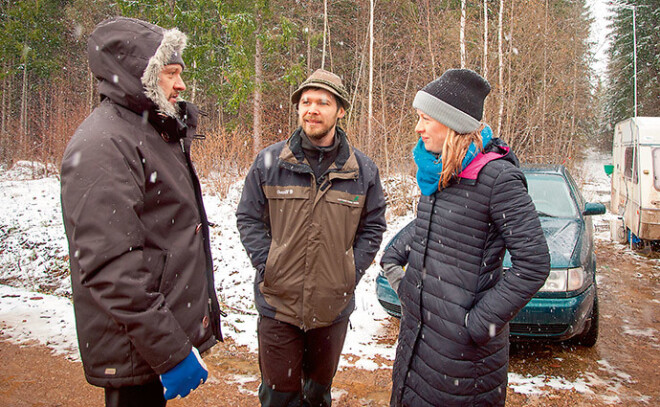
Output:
(446, 357)
(141, 266)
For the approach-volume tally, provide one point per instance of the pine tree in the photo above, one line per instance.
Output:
(620, 70)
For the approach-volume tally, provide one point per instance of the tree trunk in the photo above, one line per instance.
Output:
(221, 118)
(290, 119)
(485, 61)
(325, 31)
(509, 117)
(462, 35)
(371, 75)
(258, 80)
(500, 66)
(309, 41)
(405, 91)
(545, 78)
(22, 148)
(329, 42)
(45, 145)
(193, 92)
(428, 37)
(5, 91)
(383, 109)
(90, 90)
(359, 77)
(575, 81)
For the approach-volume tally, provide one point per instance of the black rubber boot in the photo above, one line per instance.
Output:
(316, 395)
(272, 398)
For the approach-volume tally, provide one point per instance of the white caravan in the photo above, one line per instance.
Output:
(636, 181)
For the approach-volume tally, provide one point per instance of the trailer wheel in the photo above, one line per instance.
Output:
(638, 246)
(635, 242)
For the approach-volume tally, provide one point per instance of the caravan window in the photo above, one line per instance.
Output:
(656, 168)
(630, 168)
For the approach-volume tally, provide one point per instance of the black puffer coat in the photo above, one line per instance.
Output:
(455, 269)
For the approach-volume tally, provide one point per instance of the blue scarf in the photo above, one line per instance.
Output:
(429, 165)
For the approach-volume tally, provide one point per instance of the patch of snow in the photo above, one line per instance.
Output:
(647, 333)
(538, 384)
(338, 394)
(29, 170)
(243, 382)
(33, 247)
(30, 316)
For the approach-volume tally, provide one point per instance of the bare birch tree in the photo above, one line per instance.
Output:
(325, 31)
(371, 73)
(500, 66)
(462, 35)
(258, 81)
(428, 37)
(24, 102)
(6, 97)
(545, 76)
(485, 61)
(91, 84)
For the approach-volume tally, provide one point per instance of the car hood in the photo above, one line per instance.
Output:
(562, 236)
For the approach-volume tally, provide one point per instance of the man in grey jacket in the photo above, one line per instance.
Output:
(311, 218)
(141, 268)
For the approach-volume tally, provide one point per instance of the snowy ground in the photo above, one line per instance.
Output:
(34, 263)
(34, 283)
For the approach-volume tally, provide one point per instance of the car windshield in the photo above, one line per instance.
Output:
(551, 195)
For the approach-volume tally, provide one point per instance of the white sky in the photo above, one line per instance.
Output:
(599, 33)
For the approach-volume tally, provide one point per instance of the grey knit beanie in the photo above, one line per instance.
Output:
(456, 99)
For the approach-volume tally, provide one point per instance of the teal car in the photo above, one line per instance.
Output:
(566, 307)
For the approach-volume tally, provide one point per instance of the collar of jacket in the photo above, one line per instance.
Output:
(292, 156)
(495, 150)
(173, 129)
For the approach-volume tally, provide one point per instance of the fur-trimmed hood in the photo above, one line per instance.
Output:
(126, 55)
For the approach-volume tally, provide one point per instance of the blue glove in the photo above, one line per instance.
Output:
(184, 377)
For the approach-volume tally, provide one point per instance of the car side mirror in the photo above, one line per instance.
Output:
(592, 208)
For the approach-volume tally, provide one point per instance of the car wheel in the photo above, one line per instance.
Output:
(589, 337)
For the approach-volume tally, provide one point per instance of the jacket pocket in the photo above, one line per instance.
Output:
(342, 217)
(269, 275)
(288, 211)
(155, 262)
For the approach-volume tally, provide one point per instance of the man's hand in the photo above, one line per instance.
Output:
(184, 377)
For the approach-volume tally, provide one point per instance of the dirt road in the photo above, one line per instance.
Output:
(622, 369)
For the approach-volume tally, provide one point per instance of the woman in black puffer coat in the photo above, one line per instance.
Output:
(453, 347)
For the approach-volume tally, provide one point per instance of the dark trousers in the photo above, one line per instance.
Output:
(146, 395)
(297, 367)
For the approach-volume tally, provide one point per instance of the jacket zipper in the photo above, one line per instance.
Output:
(214, 307)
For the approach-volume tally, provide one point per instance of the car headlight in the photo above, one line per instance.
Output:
(564, 280)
